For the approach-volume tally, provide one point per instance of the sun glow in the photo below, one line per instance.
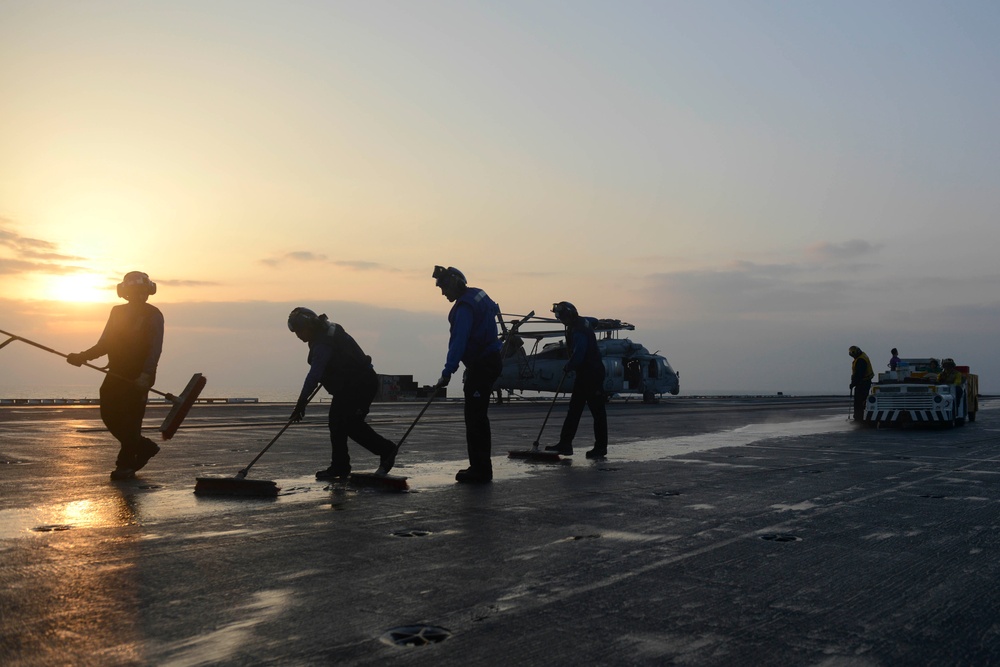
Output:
(79, 288)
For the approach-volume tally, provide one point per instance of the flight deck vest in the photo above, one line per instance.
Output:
(591, 364)
(348, 362)
(869, 374)
(483, 336)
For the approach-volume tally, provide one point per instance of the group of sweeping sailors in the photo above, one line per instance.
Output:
(133, 340)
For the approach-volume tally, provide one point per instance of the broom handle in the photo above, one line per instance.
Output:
(421, 414)
(243, 473)
(551, 405)
(13, 337)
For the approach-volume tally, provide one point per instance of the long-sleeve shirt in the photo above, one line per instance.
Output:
(461, 327)
(132, 339)
(336, 360)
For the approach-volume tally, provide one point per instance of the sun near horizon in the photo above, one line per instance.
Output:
(73, 288)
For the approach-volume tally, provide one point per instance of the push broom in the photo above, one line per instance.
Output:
(535, 453)
(181, 404)
(239, 485)
(392, 481)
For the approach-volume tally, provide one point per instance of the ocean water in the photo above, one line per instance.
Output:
(92, 391)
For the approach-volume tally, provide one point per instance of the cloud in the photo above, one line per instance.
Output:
(305, 256)
(534, 274)
(14, 266)
(294, 256)
(362, 266)
(187, 283)
(21, 244)
(748, 290)
(31, 255)
(17, 266)
(854, 249)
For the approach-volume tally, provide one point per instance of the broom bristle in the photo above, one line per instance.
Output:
(533, 455)
(391, 482)
(177, 413)
(231, 486)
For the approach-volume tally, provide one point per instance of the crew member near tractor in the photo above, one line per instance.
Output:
(338, 363)
(861, 380)
(951, 375)
(588, 386)
(133, 341)
(473, 341)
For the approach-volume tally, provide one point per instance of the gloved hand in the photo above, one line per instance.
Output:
(443, 380)
(75, 358)
(852, 386)
(144, 381)
(299, 412)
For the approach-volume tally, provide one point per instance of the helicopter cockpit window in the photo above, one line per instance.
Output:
(654, 368)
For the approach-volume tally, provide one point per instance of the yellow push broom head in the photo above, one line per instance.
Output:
(182, 404)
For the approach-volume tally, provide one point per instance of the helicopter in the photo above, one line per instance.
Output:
(629, 367)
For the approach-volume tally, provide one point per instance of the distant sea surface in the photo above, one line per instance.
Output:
(265, 395)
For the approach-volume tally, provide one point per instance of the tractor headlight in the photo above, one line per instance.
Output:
(938, 399)
(871, 399)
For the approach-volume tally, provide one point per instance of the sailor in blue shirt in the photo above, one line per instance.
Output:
(588, 385)
(475, 343)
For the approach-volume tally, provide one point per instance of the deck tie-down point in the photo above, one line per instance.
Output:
(415, 635)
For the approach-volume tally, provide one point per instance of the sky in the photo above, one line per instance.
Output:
(756, 186)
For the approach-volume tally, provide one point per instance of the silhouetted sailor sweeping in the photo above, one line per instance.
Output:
(132, 340)
(588, 385)
(338, 363)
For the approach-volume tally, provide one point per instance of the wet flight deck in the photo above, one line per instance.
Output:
(725, 531)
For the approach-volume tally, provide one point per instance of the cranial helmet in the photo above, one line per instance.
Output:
(565, 311)
(135, 279)
(948, 363)
(451, 279)
(302, 318)
(854, 351)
